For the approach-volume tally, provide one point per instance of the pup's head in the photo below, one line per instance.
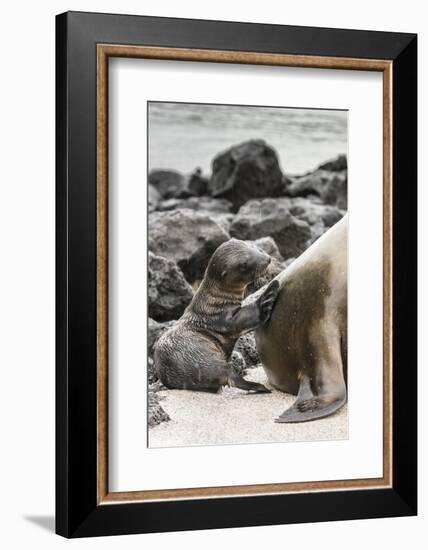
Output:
(235, 264)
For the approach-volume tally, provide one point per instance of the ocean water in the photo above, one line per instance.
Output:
(184, 136)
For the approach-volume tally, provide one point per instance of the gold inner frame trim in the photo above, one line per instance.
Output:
(104, 51)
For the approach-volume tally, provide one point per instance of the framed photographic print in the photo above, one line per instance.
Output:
(236, 274)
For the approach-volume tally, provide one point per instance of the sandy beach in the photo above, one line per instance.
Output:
(235, 417)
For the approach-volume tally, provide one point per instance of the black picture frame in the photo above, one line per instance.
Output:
(77, 511)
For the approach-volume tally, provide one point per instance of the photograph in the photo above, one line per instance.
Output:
(212, 275)
(247, 279)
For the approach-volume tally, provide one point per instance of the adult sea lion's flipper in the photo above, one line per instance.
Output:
(312, 407)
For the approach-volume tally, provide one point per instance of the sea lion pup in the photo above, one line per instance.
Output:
(303, 348)
(194, 354)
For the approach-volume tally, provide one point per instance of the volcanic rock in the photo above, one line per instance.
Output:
(168, 291)
(271, 217)
(186, 237)
(246, 171)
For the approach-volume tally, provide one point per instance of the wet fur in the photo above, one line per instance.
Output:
(195, 353)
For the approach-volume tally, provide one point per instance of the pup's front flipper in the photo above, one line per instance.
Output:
(267, 301)
(250, 316)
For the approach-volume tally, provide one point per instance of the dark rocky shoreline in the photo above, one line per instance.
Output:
(247, 197)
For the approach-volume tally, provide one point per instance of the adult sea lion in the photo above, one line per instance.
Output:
(194, 354)
(304, 346)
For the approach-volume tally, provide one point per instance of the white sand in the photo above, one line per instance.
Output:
(234, 416)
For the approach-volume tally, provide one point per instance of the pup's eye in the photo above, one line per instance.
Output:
(243, 266)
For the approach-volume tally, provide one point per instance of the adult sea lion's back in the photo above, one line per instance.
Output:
(303, 347)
